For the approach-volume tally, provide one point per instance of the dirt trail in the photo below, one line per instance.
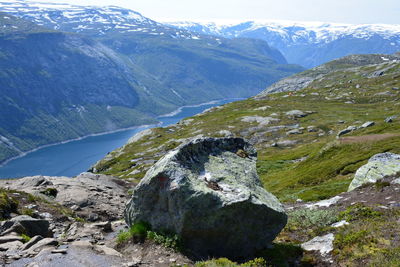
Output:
(366, 138)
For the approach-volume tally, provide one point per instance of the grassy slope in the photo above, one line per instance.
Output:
(326, 164)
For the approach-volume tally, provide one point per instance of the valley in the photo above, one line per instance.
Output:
(132, 141)
(84, 82)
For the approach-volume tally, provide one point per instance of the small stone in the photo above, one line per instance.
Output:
(75, 208)
(311, 129)
(323, 244)
(296, 114)
(59, 251)
(294, 131)
(46, 215)
(105, 226)
(31, 242)
(347, 130)
(367, 124)
(46, 242)
(340, 224)
(93, 217)
(10, 238)
(390, 119)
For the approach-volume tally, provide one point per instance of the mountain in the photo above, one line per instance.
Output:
(57, 86)
(60, 85)
(308, 43)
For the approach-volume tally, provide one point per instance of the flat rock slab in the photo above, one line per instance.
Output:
(87, 193)
(74, 257)
(208, 192)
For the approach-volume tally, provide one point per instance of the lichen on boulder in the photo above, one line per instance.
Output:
(208, 192)
(378, 167)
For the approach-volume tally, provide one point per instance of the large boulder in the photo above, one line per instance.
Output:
(378, 166)
(208, 192)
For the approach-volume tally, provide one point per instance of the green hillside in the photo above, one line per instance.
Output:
(300, 155)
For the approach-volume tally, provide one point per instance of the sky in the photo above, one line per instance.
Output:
(339, 11)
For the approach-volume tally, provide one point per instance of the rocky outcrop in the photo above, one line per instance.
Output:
(378, 167)
(25, 224)
(208, 192)
(92, 196)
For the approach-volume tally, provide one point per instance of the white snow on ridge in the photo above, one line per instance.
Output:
(313, 32)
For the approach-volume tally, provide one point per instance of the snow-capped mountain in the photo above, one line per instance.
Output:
(68, 71)
(308, 43)
(90, 20)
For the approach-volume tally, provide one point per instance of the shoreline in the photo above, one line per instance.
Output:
(172, 113)
(75, 139)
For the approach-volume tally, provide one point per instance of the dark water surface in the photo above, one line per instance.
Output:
(72, 158)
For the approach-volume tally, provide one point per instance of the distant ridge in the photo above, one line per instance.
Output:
(308, 43)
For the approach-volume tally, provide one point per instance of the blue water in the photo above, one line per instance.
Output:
(72, 158)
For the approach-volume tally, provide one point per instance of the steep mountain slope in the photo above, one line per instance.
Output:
(104, 81)
(58, 86)
(306, 43)
(193, 67)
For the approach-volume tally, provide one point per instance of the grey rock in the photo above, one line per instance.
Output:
(25, 224)
(104, 226)
(367, 124)
(294, 131)
(59, 251)
(10, 238)
(323, 244)
(347, 130)
(296, 114)
(293, 83)
(45, 242)
(80, 192)
(312, 129)
(11, 246)
(378, 167)
(260, 120)
(207, 191)
(395, 181)
(285, 143)
(339, 224)
(31, 242)
(390, 119)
